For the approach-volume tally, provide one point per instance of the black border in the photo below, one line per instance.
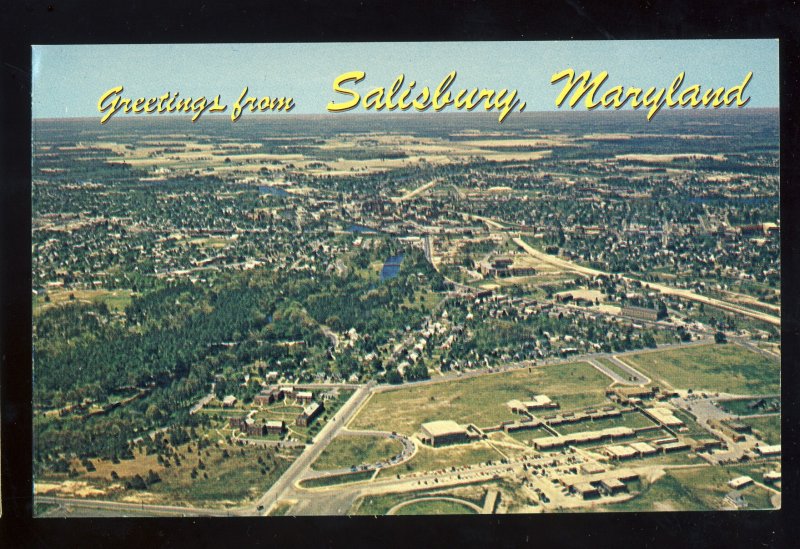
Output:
(134, 21)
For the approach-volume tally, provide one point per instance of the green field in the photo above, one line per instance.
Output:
(740, 407)
(695, 489)
(379, 504)
(347, 451)
(481, 399)
(726, 368)
(435, 507)
(434, 459)
(768, 428)
(333, 480)
(634, 420)
(613, 367)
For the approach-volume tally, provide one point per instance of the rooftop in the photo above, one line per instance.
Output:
(442, 428)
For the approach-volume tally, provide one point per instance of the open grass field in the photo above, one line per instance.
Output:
(379, 504)
(434, 459)
(481, 399)
(767, 428)
(740, 407)
(634, 420)
(347, 451)
(436, 507)
(333, 480)
(726, 368)
(116, 300)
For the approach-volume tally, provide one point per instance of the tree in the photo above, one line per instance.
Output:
(720, 337)
(394, 377)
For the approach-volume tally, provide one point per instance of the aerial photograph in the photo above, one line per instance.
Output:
(402, 313)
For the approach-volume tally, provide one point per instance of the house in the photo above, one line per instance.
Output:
(304, 396)
(229, 401)
(275, 427)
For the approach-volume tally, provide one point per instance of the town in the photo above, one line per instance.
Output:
(418, 316)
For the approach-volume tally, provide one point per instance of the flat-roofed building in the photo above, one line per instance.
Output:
(592, 468)
(613, 486)
(547, 443)
(664, 416)
(740, 482)
(586, 490)
(643, 449)
(229, 401)
(438, 433)
(644, 313)
(620, 451)
(304, 396)
(675, 447)
(772, 477)
(769, 450)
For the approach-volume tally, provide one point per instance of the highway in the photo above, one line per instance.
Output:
(666, 290)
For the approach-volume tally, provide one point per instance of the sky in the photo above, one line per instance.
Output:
(69, 80)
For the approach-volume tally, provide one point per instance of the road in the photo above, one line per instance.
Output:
(666, 290)
(312, 452)
(634, 377)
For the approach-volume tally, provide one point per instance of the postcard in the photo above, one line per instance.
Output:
(397, 278)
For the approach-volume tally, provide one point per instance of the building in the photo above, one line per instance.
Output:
(308, 414)
(264, 399)
(613, 486)
(643, 449)
(304, 396)
(229, 401)
(504, 267)
(740, 482)
(538, 402)
(253, 428)
(620, 451)
(770, 450)
(664, 416)
(439, 433)
(643, 313)
(552, 443)
(586, 490)
(275, 427)
(772, 477)
(238, 422)
(592, 468)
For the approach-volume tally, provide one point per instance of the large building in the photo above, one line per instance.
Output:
(643, 313)
(308, 414)
(438, 433)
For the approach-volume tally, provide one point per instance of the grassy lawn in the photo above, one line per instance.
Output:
(380, 504)
(116, 300)
(613, 367)
(480, 399)
(666, 494)
(693, 429)
(727, 368)
(740, 407)
(333, 480)
(634, 420)
(436, 507)
(347, 451)
(433, 459)
(767, 428)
